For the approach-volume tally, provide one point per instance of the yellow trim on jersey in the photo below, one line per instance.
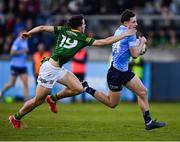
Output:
(75, 30)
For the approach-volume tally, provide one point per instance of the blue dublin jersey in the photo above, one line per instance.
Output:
(20, 59)
(121, 53)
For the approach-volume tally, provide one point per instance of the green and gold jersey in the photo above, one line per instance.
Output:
(68, 43)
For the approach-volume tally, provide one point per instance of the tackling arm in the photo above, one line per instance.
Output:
(113, 39)
(38, 29)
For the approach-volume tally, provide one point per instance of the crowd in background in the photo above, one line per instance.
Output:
(16, 15)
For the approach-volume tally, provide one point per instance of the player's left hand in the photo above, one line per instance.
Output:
(143, 49)
(143, 39)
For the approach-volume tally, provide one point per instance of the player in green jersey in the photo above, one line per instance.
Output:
(70, 39)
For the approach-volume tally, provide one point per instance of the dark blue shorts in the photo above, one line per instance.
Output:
(116, 79)
(15, 71)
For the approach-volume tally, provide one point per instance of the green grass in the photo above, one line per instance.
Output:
(91, 122)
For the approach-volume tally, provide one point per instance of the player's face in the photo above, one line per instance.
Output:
(132, 23)
(83, 26)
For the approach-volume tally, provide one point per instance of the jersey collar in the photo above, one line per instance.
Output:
(75, 30)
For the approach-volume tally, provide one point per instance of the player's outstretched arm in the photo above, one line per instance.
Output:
(113, 39)
(37, 29)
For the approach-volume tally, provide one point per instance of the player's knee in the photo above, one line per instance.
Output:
(78, 90)
(143, 92)
(112, 105)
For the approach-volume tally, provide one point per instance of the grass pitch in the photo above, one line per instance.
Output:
(91, 122)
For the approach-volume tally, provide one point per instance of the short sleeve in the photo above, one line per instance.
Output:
(26, 44)
(132, 41)
(15, 45)
(57, 29)
(89, 41)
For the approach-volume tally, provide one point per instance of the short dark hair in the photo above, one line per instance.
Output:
(75, 21)
(126, 15)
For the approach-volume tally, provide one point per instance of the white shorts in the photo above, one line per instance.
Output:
(49, 74)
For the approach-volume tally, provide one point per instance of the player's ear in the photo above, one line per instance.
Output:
(125, 23)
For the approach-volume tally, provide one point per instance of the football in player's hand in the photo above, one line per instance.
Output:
(144, 49)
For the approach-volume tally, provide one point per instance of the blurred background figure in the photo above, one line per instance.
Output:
(78, 67)
(137, 66)
(38, 57)
(162, 38)
(18, 66)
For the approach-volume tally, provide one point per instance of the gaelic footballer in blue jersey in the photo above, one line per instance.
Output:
(120, 75)
(18, 66)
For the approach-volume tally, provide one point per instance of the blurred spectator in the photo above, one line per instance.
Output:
(38, 57)
(137, 66)
(1, 44)
(29, 23)
(175, 7)
(149, 8)
(6, 49)
(150, 38)
(23, 12)
(11, 6)
(10, 23)
(2, 14)
(74, 6)
(173, 38)
(7, 44)
(78, 67)
(33, 41)
(18, 26)
(162, 38)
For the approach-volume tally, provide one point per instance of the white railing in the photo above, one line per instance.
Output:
(117, 17)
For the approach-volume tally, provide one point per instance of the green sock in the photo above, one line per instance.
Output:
(18, 116)
(54, 97)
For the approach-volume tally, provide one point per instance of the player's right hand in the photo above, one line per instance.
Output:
(130, 32)
(25, 35)
(143, 39)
